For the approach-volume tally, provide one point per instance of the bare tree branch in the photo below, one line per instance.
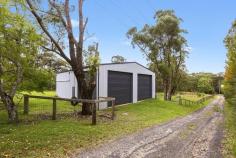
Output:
(71, 38)
(40, 22)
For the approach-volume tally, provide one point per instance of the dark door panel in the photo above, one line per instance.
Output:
(144, 86)
(120, 86)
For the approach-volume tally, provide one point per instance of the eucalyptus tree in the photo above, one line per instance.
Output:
(18, 47)
(118, 59)
(164, 46)
(55, 22)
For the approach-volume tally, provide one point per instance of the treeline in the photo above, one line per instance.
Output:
(197, 82)
(46, 66)
(230, 93)
(230, 72)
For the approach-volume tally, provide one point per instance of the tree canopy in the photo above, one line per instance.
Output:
(19, 45)
(230, 73)
(118, 59)
(165, 48)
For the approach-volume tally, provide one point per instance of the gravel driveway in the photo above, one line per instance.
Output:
(196, 135)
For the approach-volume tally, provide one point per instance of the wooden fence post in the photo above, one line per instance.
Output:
(180, 100)
(54, 109)
(26, 104)
(113, 110)
(94, 121)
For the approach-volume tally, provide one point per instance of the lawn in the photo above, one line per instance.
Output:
(62, 137)
(184, 95)
(230, 133)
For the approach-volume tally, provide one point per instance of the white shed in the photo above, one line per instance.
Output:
(128, 82)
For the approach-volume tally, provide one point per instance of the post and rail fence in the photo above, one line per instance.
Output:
(190, 102)
(55, 99)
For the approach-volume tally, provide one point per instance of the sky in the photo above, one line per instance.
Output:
(207, 23)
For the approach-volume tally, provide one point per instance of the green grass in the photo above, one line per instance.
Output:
(40, 106)
(61, 137)
(230, 126)
(189, 96)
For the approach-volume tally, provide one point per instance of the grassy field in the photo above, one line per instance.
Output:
(188, 96)
(62, 137)
(230, 137)
(39, 107)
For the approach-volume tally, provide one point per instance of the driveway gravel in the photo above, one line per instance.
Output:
(197, 135)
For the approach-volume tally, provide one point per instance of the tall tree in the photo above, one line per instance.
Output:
(18, 47)
(230, 73)
(118, 59)
(56, 24)
(164, 46)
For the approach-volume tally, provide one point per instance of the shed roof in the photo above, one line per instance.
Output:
(113, 64)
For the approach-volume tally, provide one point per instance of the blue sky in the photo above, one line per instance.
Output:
(207, 23)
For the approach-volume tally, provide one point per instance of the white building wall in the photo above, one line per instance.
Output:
(64, 83)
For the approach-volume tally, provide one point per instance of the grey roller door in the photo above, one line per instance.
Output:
(120, 86)
(144, 86)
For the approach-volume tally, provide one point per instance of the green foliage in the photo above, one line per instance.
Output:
(18, 47)
(230, 91)
(164, 46)
(204, 84)
(40, 80)
(92, 60)
(230, 74)
(51, 62)
(201, 82)
(118, 59)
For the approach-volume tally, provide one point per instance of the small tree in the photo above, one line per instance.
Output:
(118, 59)
(165, 48)
(18, 47)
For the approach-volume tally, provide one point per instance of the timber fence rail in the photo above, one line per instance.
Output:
(190, 102)
(58, 106)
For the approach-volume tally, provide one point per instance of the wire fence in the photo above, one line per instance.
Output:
(61, 108)
(42, 109)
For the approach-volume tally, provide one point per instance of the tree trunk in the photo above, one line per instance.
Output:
(85, 93)
(11, 108)
(165, 89)
(87, 107)
(169, 91)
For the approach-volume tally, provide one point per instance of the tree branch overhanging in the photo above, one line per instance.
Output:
(40, 22)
